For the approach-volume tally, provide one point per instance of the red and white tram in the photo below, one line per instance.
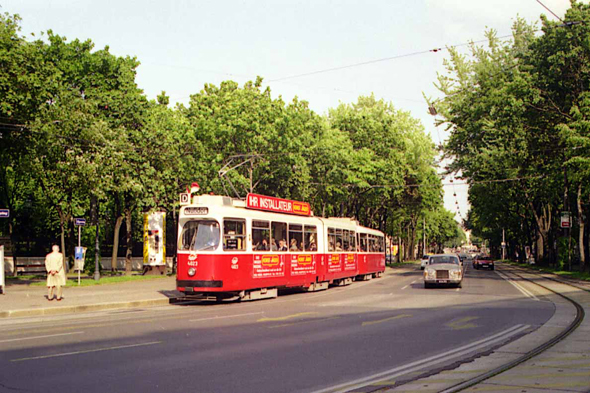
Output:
(229, 247)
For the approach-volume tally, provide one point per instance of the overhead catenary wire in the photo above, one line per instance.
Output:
(384, 59)
(552, 13)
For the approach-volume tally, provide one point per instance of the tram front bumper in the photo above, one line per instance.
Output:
(189, 286)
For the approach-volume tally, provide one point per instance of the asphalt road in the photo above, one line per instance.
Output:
(301, 342)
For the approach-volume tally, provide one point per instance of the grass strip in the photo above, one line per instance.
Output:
(85, 281)
(557, 271)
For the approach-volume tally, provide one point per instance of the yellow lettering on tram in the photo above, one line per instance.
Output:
(304, 260)
(269, 260)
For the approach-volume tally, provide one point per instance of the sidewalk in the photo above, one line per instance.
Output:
(22, 300)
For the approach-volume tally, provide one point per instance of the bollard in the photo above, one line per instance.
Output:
(2, 283)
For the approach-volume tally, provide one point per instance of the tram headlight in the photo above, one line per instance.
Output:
(192, 271)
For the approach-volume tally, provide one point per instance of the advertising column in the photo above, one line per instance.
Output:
(154, 243)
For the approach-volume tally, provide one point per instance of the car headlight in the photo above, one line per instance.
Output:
(456, 273)
(192, 271)
(429, 273)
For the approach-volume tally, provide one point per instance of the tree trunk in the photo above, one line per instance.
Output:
(400, 256)
(62, 227)
(115, 253)
(581, 236)
(128, 237)
(413, 243)
(543, 226)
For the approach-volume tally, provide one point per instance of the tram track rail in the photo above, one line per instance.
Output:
(580, 315)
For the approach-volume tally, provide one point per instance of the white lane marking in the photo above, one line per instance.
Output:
(225, 317)
(87, 351)
(413, 282)
(430, 361)
(523, 290)
(37, 337)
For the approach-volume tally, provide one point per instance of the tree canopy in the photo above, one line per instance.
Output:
(517, 112)
(79, 138)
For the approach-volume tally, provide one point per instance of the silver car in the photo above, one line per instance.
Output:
(443, 269)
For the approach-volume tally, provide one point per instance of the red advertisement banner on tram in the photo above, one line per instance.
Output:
(278, 205)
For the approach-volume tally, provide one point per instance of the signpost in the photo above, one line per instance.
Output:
(2, 283)
(566, 220)
(80, 252)
(4, 213)
(79, 222)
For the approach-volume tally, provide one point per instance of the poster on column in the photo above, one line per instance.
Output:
(154, 239)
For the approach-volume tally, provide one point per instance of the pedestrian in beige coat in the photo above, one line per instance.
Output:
(56, 276)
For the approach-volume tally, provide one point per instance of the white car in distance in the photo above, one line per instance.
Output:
(424, 261)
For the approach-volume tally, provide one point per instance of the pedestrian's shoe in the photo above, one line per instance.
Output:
(59, 300)
(50, 299)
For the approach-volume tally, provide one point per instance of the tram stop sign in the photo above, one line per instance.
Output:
(4, 213)
(80, 222)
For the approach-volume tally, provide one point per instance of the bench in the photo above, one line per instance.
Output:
(26, 265)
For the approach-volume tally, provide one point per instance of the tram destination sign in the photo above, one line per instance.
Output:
(278, 205)
(196, 211)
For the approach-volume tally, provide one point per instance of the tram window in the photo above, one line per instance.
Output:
(278, 234)
(372, 244)
(331, 239)
(260, 235)
(364, 242)
(295, 237)
(200, 235)
(310, 237)
(338, 240)
(381, 247)
(352, 241)
(345, 240)
(234, 234)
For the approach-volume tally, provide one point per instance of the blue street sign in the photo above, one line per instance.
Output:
(4, 213)
(80, 221)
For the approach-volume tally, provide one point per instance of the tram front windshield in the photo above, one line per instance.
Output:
(199, 235)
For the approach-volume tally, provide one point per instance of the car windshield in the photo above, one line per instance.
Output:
(485, 258)
(425, 257)
(200, 235)
(438, 259)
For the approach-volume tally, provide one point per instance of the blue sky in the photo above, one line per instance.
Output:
(184, 44)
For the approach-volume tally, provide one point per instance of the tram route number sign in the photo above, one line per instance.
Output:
(263, 202)
(185, 198)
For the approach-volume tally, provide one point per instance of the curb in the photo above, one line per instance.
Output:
(88, 307)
